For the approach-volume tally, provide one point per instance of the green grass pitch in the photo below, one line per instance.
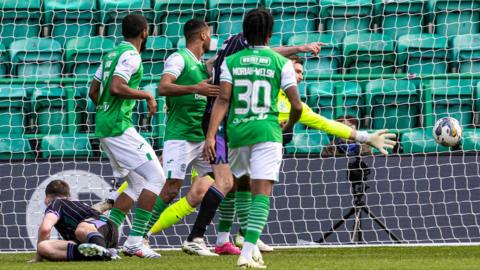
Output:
(466, 257)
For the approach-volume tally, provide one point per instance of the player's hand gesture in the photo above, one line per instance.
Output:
(313, 48)
(382, 140)
(205, 89)
(209, 149)
(151, 105)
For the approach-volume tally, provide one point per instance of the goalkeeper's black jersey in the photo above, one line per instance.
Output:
(70, 214)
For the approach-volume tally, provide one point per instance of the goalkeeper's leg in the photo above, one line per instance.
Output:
(183, 207)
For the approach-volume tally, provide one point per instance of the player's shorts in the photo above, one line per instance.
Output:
(127, 151)
(221, 145)
(260, 161)
(178, 154)
(106, 228)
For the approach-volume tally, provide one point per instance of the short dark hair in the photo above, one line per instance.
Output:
(257, 26)
(348, 118)
(57, 188)
(193, 27)
(133, 25)
(296, 59)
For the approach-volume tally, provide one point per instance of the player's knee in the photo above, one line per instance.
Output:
(170, 190)
(243, 183)
(82, 231)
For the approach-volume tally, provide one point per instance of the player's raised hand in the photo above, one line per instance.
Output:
(204, 88)
(313, 48)
(209, 149)
(382, 140)
(151, 105)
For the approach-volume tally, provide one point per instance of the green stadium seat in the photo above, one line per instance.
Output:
(170, 15)
(15, 148)
(349, 100)
(423, 54)
(90, 117)
(156, 124)
(321, 98)
(471, 140)
(400, 18)
(112, 13)
(156, 51)
(452, 98)
(229, 15)
(420, 141)
(455, 17)
(67, 145)
(329, 59)
(215, 44)
(13, 101)
(367, 53)
(293, 16)
(276, 40)
(392, 104)
(49, 108)
(476, 96)
(466, 53)
(19, 20)
(71, 19)
(345, 17)
(84, 54)
(307, 142)
(36, 57)
(4, 59)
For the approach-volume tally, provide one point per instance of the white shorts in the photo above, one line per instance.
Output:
(178, 154)
(260, 161)
(127, 152)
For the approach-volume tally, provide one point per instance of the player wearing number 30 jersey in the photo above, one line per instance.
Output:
(250, 82)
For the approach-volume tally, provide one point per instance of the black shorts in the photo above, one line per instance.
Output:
(107, 229)
(221, 142)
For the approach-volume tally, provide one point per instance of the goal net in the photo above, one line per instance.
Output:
(386, 64)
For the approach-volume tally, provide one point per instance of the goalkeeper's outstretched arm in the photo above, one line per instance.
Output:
(379, 139)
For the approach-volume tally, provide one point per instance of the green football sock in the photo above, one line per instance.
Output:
(140, 222)
(117, 216)
(227, 213)
(257, 218)
(243, 201)
(158, 209)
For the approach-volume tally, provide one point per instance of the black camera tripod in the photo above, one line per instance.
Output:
(358, 172)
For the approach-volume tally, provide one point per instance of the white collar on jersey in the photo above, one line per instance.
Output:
(259, 47)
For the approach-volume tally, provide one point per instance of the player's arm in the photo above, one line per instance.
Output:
(219, 111)
(379, 139)
(287, 51)
(96, 84)
(173, 68)
(45, 229)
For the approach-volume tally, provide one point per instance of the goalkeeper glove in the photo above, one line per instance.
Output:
(380, 139)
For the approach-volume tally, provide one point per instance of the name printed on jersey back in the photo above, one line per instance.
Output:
(260, 72)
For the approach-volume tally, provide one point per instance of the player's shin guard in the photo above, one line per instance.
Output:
(243, 202)
(209, 206)
(173, 214)
(157, 211)
(257, 218)
(96, 238)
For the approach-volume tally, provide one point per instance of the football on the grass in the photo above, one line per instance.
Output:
(447, 132)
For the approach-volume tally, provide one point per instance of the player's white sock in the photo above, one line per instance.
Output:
(133, 241)
(222, 238)
(247, 250)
